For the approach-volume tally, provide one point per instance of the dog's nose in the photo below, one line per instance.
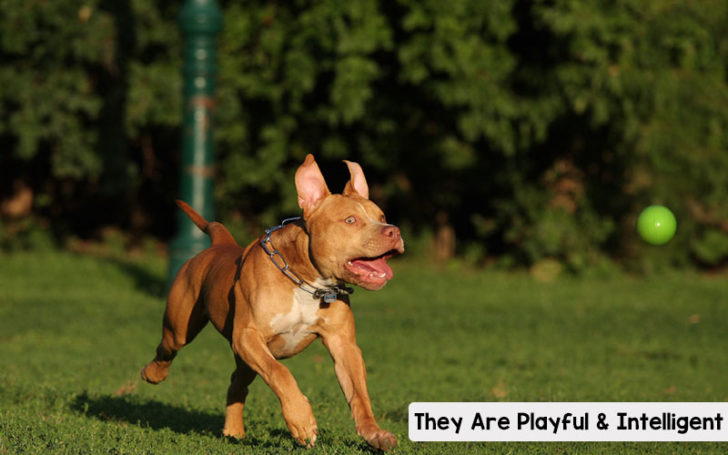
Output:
(391, 231)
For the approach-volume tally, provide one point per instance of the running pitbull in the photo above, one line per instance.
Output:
(272, 299)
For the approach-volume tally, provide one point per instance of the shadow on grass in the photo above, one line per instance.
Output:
(144, 281)
(152, 414)
(281, 439)
(156, 415)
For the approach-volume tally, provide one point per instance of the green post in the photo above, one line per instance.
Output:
(200, 22)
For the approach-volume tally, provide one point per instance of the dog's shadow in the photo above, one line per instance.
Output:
(151, 414)
(158, 416)
(144, 281)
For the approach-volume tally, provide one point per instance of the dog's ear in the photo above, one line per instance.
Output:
(358, 183)
(310, 184)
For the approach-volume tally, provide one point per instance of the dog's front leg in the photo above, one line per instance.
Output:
(352, 376)
(251, 347)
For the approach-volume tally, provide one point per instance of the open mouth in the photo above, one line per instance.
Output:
(373, 270)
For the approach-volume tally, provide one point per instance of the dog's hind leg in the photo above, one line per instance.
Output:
(183, 319)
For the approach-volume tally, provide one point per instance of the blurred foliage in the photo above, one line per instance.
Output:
(537, 129)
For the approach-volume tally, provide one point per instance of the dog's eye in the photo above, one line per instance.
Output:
(382, 219)
(350, 220)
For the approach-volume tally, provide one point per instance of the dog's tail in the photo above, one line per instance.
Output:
(219, 235)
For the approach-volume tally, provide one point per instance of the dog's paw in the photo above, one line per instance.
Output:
(154, 372)
(236, 433)
(305, 435)
(378, 438)
(234, 426)
(301, 423)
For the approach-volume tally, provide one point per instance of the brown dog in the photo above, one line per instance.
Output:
(277, 296)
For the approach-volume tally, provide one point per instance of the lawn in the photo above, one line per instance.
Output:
(75, 331)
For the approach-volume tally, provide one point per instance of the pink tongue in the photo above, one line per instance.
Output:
(376, 265)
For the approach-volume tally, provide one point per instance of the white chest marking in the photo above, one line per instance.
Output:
(295, 325)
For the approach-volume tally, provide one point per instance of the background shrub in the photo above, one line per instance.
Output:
(533, 130)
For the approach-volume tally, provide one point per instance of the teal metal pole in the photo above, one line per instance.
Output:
(200, 22)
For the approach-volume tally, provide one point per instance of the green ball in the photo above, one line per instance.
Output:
(656, 225)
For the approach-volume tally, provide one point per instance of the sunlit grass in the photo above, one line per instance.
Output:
(75, 331)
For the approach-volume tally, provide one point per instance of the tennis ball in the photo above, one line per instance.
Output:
(656, 225)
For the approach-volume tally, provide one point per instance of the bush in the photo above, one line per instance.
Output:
(538, 130)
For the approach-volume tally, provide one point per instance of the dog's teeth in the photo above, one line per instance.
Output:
(377, 275)
(349, 263)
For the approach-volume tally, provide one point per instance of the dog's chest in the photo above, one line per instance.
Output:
(294, 326)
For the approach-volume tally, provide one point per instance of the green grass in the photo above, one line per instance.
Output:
(75, 331)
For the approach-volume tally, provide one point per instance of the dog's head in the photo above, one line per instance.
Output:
(350, 239)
